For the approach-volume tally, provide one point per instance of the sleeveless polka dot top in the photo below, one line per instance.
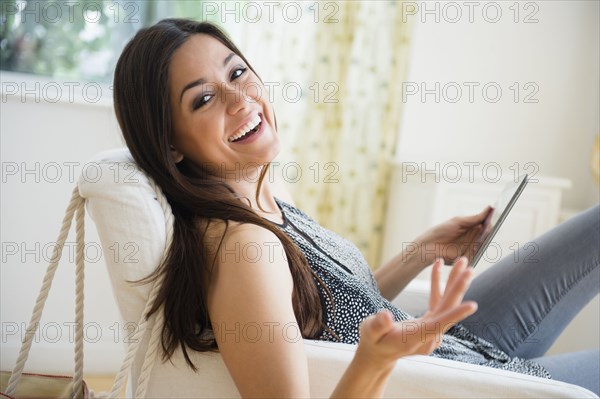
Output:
(354, 295)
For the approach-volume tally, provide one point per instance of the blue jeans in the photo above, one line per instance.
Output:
(525, 302)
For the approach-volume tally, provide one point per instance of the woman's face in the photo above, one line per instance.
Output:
(221, 114)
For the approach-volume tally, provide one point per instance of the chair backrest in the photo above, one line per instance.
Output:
(131, 226)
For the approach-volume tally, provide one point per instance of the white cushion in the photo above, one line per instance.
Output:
(128, 217)
(124, 208)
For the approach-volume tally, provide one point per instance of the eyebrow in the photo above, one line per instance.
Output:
(201, 80)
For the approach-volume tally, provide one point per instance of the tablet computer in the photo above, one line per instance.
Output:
(496, 217)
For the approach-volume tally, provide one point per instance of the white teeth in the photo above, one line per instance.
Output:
(246, 128)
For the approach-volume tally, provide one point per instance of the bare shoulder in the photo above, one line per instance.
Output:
(234, 242)
(250, 267)
(250, 290)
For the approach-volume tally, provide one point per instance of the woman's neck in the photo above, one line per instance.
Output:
(246, 188)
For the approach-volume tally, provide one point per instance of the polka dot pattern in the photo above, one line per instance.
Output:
(351, 294)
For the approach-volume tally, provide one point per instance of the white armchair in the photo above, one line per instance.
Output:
(125, 210)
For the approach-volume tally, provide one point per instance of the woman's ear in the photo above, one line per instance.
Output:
(177, 156)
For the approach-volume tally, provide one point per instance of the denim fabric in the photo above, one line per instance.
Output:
(526, 301)
(579, 368)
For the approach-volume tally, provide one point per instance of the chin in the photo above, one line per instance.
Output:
(274, 148)
(271, 155)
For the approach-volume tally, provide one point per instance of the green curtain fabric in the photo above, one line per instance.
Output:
(348, 62)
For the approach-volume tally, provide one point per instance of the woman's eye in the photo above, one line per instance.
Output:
(237, 73)
(201, 100)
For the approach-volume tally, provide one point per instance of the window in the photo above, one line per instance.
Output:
(77, 39)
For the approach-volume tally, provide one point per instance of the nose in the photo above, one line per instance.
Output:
(235, 98)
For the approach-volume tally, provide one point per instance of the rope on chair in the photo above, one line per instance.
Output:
(157, 319)
(79, 280)
(77, 207)
(76, 204)
(154, 344)
(132, 349)
(151, 355)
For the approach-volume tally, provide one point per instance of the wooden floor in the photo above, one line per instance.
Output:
(100, 383)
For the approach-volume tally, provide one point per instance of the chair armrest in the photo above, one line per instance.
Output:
(413, 377)
(429, 377)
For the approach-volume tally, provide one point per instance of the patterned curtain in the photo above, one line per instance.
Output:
(335, 76)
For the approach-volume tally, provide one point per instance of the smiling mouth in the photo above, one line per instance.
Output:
(247, 131)
(248, 134)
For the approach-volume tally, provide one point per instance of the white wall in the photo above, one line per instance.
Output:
(559, 54)
(52, 141)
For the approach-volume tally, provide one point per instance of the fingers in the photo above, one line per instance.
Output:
(454, 315)
(376, 326)
(449, 308)
(482, 216)
(424, 335)
(475, 233)
(457, 269)
(415, 336)
(436, 293)
(472, 241)
(478, 218)
(450, 317)
(458, 282)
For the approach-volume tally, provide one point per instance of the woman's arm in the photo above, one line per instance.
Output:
(459, 236)
(250, 304)
(395, 274)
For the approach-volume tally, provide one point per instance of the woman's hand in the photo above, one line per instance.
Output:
(459, 236)
(383, 341)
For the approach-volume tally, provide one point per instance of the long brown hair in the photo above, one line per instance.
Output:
(141, 101)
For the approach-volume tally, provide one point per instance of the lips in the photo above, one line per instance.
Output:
(250, 128)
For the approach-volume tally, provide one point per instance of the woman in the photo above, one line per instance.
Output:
(196, 118)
